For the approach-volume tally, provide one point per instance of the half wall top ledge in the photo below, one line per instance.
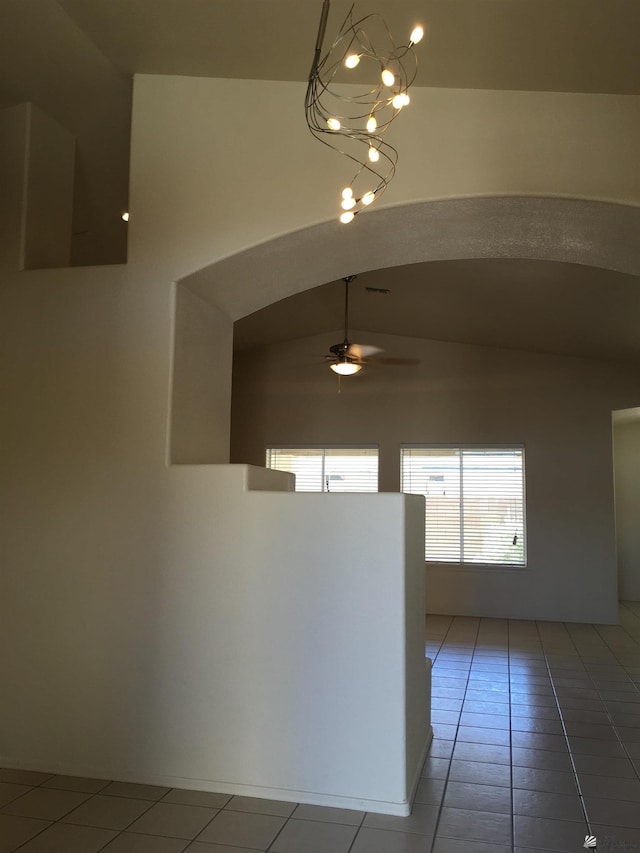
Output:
(579, 231)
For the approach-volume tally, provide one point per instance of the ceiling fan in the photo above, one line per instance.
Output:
(346, 358)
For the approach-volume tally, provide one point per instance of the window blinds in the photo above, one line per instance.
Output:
(474, 502)
(328, 469)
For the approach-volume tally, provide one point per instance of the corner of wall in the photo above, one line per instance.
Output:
(200, 406)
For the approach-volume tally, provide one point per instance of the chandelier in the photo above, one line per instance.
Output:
(353, 120)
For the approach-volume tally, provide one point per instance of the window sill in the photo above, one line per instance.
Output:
(474, 567)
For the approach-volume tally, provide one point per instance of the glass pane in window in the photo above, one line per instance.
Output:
(328, 469)
(435, 473)
(351, 470)
(474, 502)
(307, 465)
(493, 510)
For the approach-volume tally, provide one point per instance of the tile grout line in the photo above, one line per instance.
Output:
(564, 728)
(455, 740)
(511, 792)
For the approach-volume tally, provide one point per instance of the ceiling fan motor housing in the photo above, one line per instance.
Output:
(340, 350)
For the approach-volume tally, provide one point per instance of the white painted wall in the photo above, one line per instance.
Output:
(274, 649)
(230, 163)
(200, 388)
(626, 451)
(104, 581)
(558, 407)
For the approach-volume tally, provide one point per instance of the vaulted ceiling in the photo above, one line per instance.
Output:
(539, 306)
(539, 45)
(75, 59)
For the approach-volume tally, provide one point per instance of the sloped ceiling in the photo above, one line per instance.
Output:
(539, 306)
(75, 58)
(539, 45)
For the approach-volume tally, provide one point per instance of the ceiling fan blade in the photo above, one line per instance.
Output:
(393, 361)
(362, 350)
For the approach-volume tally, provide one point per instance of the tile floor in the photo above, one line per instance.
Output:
(537, 744)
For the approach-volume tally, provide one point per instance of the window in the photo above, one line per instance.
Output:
(328, 469)
(474, 502)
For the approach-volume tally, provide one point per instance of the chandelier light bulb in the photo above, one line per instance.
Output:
(388, 77)
(335, 116)
(125, 216)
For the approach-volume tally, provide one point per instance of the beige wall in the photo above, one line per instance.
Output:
(559, 408)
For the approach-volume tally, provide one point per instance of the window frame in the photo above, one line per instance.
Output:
(463, 564)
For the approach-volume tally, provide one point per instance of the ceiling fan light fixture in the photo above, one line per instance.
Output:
(346, 367)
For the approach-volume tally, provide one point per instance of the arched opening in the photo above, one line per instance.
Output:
(576, 231)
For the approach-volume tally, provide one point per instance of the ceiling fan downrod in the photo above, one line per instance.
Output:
(347, 281)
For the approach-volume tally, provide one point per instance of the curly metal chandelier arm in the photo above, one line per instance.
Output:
(353, 124)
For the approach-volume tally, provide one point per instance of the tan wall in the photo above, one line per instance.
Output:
(559, 408)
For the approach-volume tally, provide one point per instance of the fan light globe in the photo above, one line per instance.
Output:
(333, 124)
(388, 77)
(347, 216)
(368, 197)
(352, 60)
(345, 368)
(416, 35)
